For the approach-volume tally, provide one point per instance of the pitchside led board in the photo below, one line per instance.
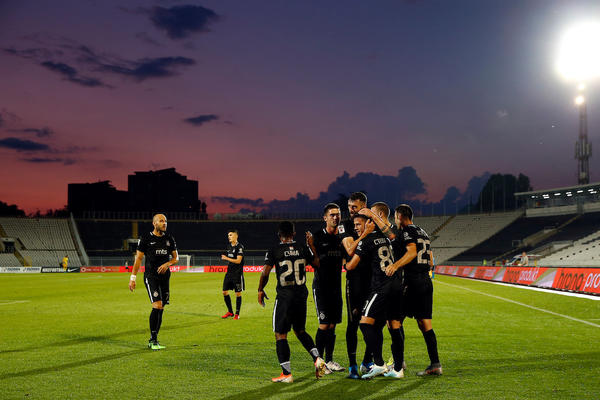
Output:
(580, 280)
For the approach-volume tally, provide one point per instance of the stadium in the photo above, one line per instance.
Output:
(394, 182)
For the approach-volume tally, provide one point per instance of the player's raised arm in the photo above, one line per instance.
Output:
(350, 244)
(411, 253)
(384, 226)
(136, 267)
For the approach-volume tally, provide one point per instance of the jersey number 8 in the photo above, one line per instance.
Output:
(385, 257)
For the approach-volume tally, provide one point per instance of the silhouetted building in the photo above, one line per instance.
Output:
(162, 190)
(96, 196)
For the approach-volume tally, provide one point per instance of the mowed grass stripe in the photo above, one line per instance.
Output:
(522, 304)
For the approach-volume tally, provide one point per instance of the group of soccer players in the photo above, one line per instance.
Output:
(387, 280)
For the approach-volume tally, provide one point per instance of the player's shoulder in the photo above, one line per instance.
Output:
(416, 231)
(240, 246)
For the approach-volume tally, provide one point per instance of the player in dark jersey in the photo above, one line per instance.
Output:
(160, 251)
(357, 286)
(375, 249)
(327, 284)
(290, 259)
(234, 278)
(414, 247)
(380, 214)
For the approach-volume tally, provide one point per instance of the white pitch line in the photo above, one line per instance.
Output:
(2, 302)
(522, 304)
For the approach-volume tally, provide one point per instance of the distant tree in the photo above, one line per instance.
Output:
(498, 194)
(58, 213)
(11, 210)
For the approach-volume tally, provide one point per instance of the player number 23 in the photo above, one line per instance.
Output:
(292, 269)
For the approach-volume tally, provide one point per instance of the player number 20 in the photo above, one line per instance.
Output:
(292, 269)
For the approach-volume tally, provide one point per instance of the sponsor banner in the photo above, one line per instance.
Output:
(73, 269)
(247, 268)
(585, 280)
(60, 270)
(194, 269)
(126, 268)
(522, 275)
(20, 270)
(580, 280)
(102, 269)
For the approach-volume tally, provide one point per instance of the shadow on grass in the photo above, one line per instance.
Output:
(103, 338)
(338, 387)
(74, 364)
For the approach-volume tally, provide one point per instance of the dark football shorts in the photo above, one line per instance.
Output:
(378, 304)
(158, 288)
(328, 305)
(417, 301)
(234, 282)
(396, 300)
(290, 311)
(357, 295)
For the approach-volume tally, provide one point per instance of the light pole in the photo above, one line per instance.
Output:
(583, 149)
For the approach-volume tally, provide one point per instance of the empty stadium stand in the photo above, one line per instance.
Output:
(41, 241)
(462, 232)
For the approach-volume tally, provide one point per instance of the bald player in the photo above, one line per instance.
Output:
(160, 251)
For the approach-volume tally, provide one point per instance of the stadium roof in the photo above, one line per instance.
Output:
(591, 188)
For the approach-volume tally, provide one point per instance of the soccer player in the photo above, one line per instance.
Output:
(376, 250)
(380, 214)
(327, 284)
(160, 251)
(416, 262)
(358, 283)
(234, 278)
(290, 259)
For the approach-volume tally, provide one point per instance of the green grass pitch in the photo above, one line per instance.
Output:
(84, 336)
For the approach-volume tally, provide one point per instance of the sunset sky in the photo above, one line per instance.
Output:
(267, 99)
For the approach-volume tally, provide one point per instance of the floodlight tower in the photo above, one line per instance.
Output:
(579, 61)
(583, 149)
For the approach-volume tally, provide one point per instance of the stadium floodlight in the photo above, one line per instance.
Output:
(579, 100)
(579, 54)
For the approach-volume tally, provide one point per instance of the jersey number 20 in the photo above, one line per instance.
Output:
(292, 269)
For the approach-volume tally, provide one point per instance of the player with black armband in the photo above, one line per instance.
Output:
(289, 312)
(160, 251)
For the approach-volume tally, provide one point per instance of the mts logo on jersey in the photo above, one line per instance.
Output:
(161, 252)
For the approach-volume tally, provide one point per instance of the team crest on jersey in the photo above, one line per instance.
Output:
(155, 293)
(341, 229)
(321, 315)
(168, 243)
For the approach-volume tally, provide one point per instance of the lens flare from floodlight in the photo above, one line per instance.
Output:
(579, 100)
(581, 87)
(579, 52)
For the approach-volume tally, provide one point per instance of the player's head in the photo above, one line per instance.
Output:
(381, 209)
(232, 236)
(356, 202)
(403, 215)
(332, 215)
(160, 223)
(286, 230)
(359, 223)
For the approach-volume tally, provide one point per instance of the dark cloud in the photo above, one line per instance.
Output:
(181, 21)
(70, 74)
(42, 132)
(405, 187)
(23, 145)
(47, 160)
(146, 68)
(201, 119)
(146, 38)
(68, 58)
